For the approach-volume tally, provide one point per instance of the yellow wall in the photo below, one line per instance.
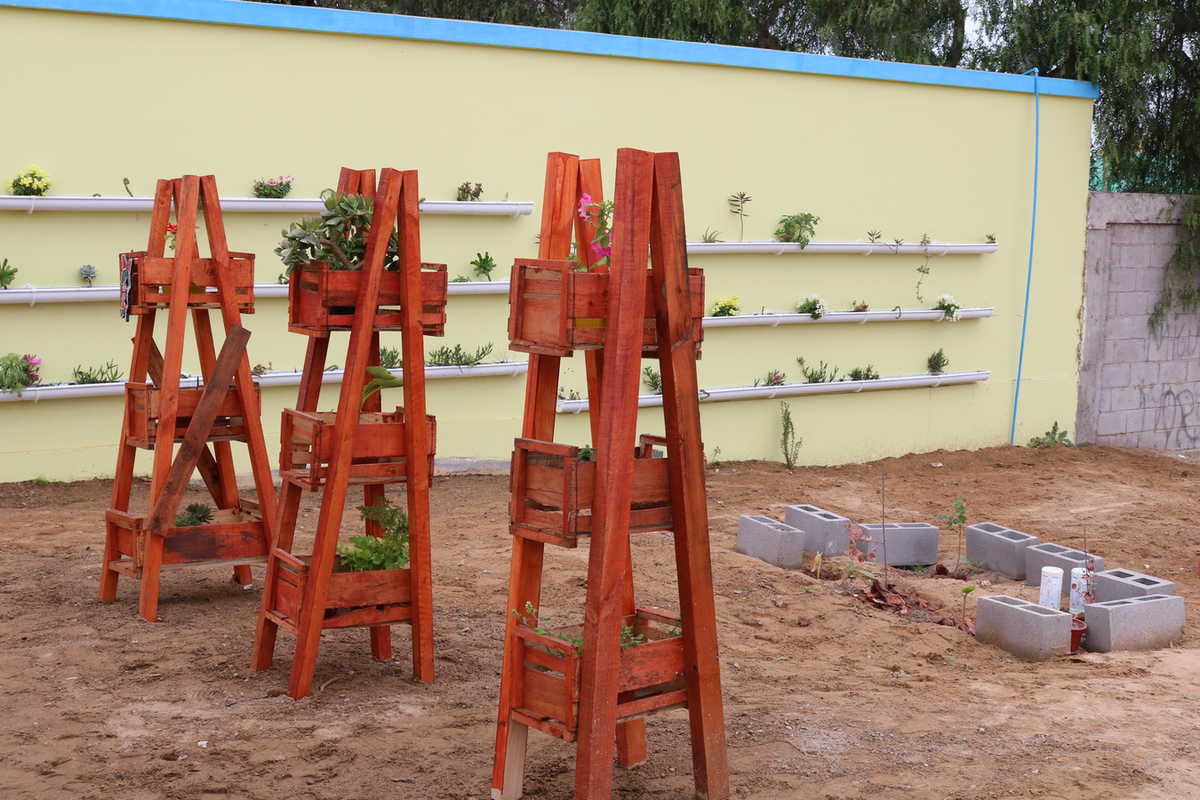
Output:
(116, 97)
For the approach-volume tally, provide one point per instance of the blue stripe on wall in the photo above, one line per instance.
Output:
(264, 15)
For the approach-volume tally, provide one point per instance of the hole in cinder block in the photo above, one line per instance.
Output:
(1119, 573)
(1118, 602)
(1147, 581)
(990, 527)
(1010, 601)
(1041, 610)
(808, 508)
(912, 525)
(1073, 555)
(827, 515)
(1148, 597)
(1014, 536)
(1050, 548)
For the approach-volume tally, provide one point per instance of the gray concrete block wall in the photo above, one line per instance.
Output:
(825, 532)
(908, 543)
(1022, 628)
(1136, 623)
(1119, 584)
(770, 540)
(1136, 389)
(999, 548)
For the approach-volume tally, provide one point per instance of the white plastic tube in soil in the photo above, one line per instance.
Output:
(1079, 589)
(1051, 596)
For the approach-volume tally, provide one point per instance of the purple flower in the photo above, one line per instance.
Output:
(33, 361)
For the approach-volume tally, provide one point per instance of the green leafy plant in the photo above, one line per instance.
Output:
(966, 590)
(822, 373)
(457, 356)
(273, 187)
(774, 377)
(726, 307)
(381, 379)
(194, 514)
(652, 378)
(789, 442)
(33, 182)
(468, 191)
(108, 372)
(873, 236)
(460, 279)
(87, 273)
(258, 370)
(737, 207)
(391, 357)
(812, 305)
(867, 373)
(797, 228)
(338, 236)
(530, 620)
(1055, 437)
(18, 372)
(991, 238)
(937, 362)
(484, 264)
(7, 274)
(948, 306)
(710, 236)
(586, 453)
(389, 551)
(956, 523)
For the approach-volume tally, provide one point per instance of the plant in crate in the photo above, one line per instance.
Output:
(7, 274)
(937, 362)
(33, 182)
(194, 514)
(273, 188)
(390, 551)
(726, 307)
(797, 228)
(812, 305)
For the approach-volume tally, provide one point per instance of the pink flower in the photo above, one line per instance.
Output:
(585, 203)
(33, 361)
(601, 250)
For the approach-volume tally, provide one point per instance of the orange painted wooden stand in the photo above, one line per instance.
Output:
(359, 444)
(160, 411)
(584, 684)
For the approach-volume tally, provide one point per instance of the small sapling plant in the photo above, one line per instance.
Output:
(966, 590)
(956, 522)
(710, 236)
(652, 379)
(1055, 437)
(389, 551)
(33, 182)
(194, 514)
(737, 207)
(726, 307)
(937, 362)
(483, 265)
(812, 305)
(87, 274)
(797, 228)
(274, 188)
(108, 372)
(873, 236)
(468, 191)
(457, 356)
(822, 373)
(948, 306)
(774, 377)
(991, 238)
(789, 442)
(7, 274)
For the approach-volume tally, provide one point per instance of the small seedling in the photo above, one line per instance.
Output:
(991, 238)
(7, 274)
(873, 236)
(789, 442)
(87, 273)
(937, 362)
(956, 522)
(737, 206)
(773, 377)
(483, 264)
(389, 551)
(652, 378)
(714, 460)
(1055, 437)
(822, 373)
(966, 590)
(460, 279)
(859, 305)
(258, 370)
(194, 514)
(468, 191)
(797, 228)
(710, 236)
(108, 372)
(726, 307)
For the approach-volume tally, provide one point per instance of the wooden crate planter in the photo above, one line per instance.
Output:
(553, 490)
(554, 310)
(236, 535)
(355, 599)
(148, 285)
(379, 451)
(321, 299)
(143, 409)
(650, 680)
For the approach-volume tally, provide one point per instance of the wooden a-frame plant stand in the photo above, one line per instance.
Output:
(359, 444)
(598, 695)
(163, 412)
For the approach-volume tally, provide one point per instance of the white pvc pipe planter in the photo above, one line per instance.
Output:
(286, 205)
(32, 295)
(283, 378)
(797, 389)
(859, 248)
(776, 318)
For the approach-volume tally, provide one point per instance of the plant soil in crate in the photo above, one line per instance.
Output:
(322, 299)
(355, 599)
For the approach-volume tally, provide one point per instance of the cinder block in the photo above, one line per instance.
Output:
(1055, 555)
(1119, 584)
(824, 532)
(770, 540)
(999, 548)
(1137, 623)
(908, 543)
(1024, 629)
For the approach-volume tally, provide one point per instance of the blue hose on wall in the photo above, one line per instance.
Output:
(1037, 138)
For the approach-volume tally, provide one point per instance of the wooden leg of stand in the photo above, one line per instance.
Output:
(151, 564)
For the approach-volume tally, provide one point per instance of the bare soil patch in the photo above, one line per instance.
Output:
(826, 696)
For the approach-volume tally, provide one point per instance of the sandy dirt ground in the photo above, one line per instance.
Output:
(858, 703)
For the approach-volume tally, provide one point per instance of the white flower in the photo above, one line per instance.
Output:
(946, 299)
